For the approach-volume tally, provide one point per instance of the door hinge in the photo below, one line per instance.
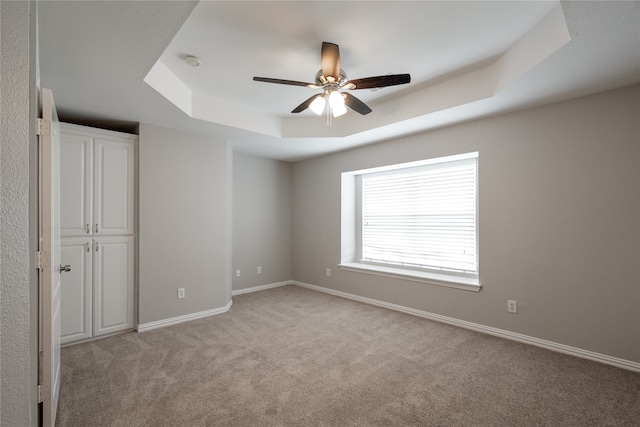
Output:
(43, 260)
(44, 392)
(43, 127)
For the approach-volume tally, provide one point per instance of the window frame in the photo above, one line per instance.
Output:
(351, 209)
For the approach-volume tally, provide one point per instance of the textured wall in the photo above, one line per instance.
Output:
(559, 222)
(262, 221)
(17, 357)
(184, 223)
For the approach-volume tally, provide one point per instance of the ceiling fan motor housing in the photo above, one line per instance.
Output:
(321, 80)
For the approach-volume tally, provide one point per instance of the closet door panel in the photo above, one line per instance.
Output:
(75, 184)
(75, 304)
(113, 276)
(114, 186)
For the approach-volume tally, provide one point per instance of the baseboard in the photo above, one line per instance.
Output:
(185, 318)
(549, 345)
(193, 316)
(261, 288)
(501, 333)
(86, 340)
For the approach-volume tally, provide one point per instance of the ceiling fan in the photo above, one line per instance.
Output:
(332, 80)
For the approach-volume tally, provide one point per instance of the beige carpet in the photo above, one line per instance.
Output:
(294, 357)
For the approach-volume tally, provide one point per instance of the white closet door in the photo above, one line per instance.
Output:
(76, 165)
(113, 187)
(75, 320)
(113, 268)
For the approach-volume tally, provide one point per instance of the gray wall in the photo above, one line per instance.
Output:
(262, 221)
(559, 222)
(184, 223)
(18, 303)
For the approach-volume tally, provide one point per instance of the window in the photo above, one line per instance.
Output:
(415, 220)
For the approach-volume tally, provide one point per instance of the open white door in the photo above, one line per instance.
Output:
(49, 259)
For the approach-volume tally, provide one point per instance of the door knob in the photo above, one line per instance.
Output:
(64, 268)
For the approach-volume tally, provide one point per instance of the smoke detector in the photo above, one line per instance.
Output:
(194, 61)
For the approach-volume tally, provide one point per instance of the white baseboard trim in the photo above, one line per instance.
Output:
(99, 337)
(144, 327)
(193, 316)
(261, 288)
(549, 345)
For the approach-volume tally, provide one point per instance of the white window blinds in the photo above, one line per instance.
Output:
(422, 217)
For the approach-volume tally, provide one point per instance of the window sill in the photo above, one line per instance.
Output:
(464, 283)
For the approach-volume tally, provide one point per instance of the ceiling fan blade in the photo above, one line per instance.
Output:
(331, 60)
(380, 81)
(355, 104)
(300, 108)
(284, 82)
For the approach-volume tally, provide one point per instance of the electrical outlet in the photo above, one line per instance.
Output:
(512, 306)
(259, 270)
(237, 273)
(180, 293)
(328, 272)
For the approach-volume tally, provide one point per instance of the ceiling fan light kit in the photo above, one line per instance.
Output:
(336, 103)
(317, 105)
(332, 80)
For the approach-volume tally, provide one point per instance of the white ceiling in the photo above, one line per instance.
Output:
(466, 59)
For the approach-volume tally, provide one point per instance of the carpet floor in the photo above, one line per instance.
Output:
(290, 356)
